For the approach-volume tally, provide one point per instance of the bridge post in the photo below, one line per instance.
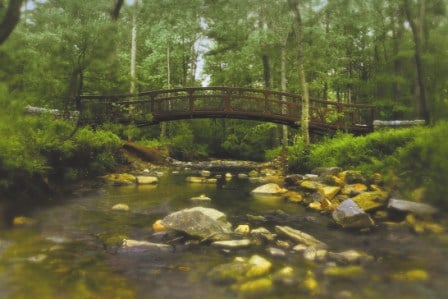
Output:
(190, 101)
(227, 99)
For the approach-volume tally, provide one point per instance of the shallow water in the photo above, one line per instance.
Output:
(71, 251)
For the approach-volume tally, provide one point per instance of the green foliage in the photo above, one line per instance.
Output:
(417, 156)
(183, 145)
(424, 162)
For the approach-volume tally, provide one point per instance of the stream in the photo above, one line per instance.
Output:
(71, 249)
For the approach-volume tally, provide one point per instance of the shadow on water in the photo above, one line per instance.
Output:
(72, 249)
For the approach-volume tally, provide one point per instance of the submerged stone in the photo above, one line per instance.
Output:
(259, 266)
(195, 179)
(199, 222)
(136, 246)
(120, 179)
(200, 198)
(349, 215)
(411, 275)
(344, 272)
(258, 286)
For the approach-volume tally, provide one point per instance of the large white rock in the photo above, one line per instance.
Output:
(349, 215)
(270, 188)
(199, 222)
(407, 206)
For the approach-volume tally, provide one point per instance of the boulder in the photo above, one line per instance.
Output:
(371, 200)
(270, 188)
(416, 208)
(199, 222)
(349, 215)
(146, 180)
(299, 236)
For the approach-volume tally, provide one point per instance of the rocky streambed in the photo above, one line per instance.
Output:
(275, 252)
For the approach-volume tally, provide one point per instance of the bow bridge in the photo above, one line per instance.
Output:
(152, 107)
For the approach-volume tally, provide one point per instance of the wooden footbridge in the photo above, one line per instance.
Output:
(152, 107)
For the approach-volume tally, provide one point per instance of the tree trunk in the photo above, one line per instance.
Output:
(133, 88)
(10, 20)
(304, 121)
(417, 31)
(163, 127)
(266, 71)
(283, 87)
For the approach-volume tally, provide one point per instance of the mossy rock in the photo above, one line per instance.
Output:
(371, 200)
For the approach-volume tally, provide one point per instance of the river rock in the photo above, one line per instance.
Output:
(344, 272)
(293, 196)
(242, 176)
(146, 180)
(23, 221)
(371, 200)
(199, 222)
(349, 215)
(242, 229)
(416, 208)
(277, 252)
(232, 244)
(259, 266)
(310, 185)
(285, 275)
(293, 179)
(270, 188)
(158, 226)
(263, 233)
(314, 254)
(229, 272)
(299, 236)
(253, 173)
(120, 207)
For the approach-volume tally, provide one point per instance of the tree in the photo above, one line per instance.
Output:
(304, 120)
(10, 20)
(417, 34)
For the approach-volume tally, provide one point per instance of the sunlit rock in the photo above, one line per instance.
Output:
(270, 188)
(211, 181)
(293, 179)
(300, 248)
(315, 205)
(421, 226)
(228, 176)
(199, 222)
(416, 208)
(120, 179)
(299, 236)
(349, 215)
(293, 196)
(333, 180)
(146, 180)
(371, 200)
(310, 283)
(354, 189)
(242, 229)
(259, 266)
(37, 258)
(120, 207)
(230, 272)
(314, 254)
(242, 176)
(158, 226)
(232, 244)
(310, 185)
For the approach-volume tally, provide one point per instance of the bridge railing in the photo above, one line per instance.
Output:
(160, 105)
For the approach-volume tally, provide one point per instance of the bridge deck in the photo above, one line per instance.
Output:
(151, 107)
